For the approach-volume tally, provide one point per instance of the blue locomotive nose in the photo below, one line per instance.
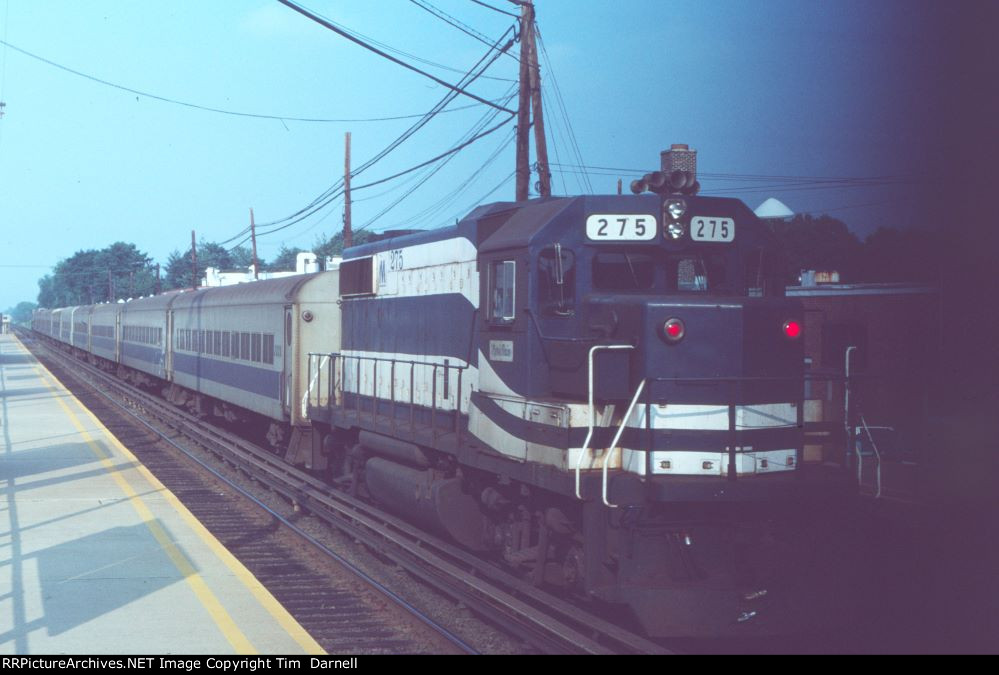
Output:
(700, 350)
(710, 351)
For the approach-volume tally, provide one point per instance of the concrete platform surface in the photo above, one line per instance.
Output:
(97, 556)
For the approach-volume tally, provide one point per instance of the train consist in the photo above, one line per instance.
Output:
(603, 392)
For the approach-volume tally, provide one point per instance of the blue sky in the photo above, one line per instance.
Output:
(762, 88)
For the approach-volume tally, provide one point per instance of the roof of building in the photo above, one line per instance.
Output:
(862, 289)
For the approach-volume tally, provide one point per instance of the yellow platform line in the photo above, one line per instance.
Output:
(215, 609)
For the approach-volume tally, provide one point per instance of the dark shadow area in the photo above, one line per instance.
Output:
(27, 376)
(29, 391)
(85, 578)
(21, 464)
(15, 359)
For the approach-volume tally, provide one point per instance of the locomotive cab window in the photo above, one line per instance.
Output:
(556, 282)
(502, 287)
(763, 273)
(623, 271)
(698, 273)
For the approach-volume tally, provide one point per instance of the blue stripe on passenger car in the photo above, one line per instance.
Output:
(105, 343)
(142, 353)
(256, 380)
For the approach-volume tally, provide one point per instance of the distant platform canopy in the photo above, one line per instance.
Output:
(773, 208)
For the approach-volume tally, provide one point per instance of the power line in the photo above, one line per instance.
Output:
(221, 111)
(495, 9)
(442, 160)
(453, 150)
(451, 21)
(394, 50)
(327, 24)
(573, 145)
(335, 191)
(745, 176)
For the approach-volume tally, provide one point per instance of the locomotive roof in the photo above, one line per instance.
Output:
(513, 225)
(496, 225)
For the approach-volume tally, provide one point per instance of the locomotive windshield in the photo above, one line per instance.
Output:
(667, 273)
(623, 271)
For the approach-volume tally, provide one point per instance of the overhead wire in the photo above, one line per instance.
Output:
(336, 190)
(495, 9)
(336, 29)
(395, 50)
(442, 161)
(562, 108)
(448, 199)
(450, 20)
(207, 108)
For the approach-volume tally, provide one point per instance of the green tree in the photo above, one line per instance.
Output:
(818, 243)
(21, 313)
(328, 247)
(286, 259)
(116, 272)
(903, 255)
(210, 254)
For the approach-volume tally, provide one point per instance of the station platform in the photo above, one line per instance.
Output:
(97, 556)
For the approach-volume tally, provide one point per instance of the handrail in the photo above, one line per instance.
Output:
(307, 396)
(877, 454)
(343, 359)
(846, 410)
(617, 438)
(592, 415)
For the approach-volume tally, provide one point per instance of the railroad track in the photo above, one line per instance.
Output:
(545, 622)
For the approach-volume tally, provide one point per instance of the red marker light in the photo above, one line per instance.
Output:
(792, 329)
(673, 330)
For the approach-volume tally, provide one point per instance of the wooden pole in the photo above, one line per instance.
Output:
(348, 235)
(253, 238)
(540, 145)
(523, 107)
(194, 262)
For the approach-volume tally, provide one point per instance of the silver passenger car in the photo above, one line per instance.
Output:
(248, 344)
(143, 334)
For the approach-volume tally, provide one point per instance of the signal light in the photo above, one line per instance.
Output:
(792, 329)
(673, 330)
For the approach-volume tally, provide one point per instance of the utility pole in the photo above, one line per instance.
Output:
(348, 235)
(540, 145)
(158, 289)
(253, 238)
(523, 108)
(530, 102)
(110, 287)
(194, 263)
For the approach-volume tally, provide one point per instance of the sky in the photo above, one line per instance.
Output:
(827, 106)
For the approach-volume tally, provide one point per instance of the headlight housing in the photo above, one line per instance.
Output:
(673, 330)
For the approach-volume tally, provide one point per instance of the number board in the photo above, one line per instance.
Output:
(707, 228)
(621, 227)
